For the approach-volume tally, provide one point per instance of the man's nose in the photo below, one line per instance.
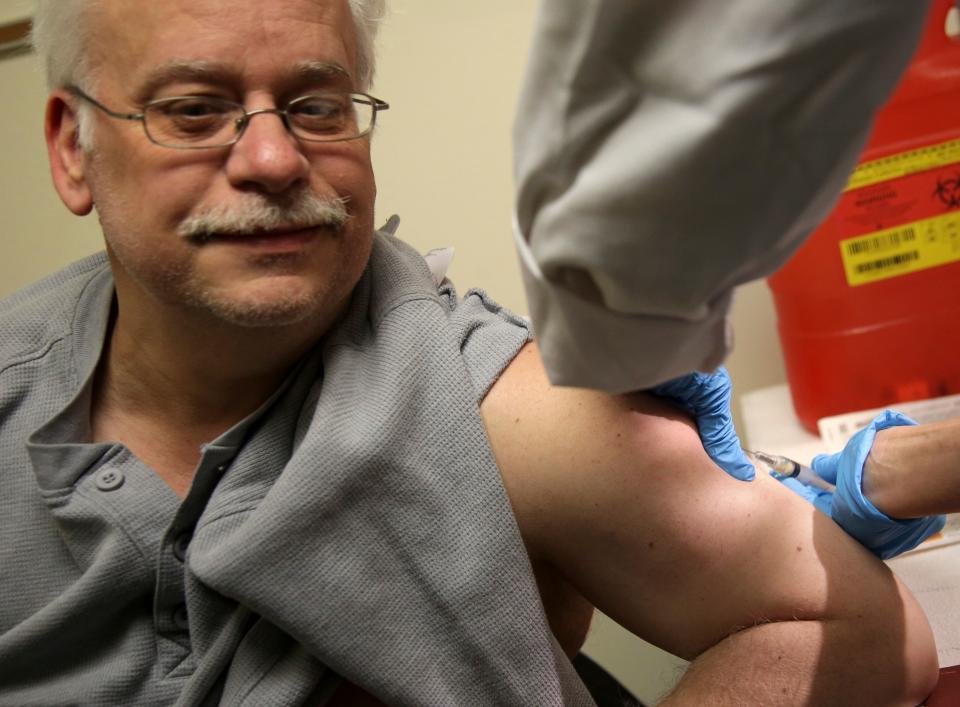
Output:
(267, 156)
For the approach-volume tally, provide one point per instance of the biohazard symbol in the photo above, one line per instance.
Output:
(948, 191)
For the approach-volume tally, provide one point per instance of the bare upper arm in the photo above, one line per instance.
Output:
(618, 495)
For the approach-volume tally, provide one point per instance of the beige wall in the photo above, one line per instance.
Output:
(14, 10)
(39, 234)
(451, 72)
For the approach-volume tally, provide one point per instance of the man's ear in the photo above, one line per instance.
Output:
(67, 164)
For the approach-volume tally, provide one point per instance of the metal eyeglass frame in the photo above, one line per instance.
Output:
(241, 123)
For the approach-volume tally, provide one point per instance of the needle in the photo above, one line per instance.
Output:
(784, 468)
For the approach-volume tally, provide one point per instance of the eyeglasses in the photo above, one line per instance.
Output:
(201, 122)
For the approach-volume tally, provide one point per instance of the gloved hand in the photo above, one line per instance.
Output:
(884, 536)
(706, 396)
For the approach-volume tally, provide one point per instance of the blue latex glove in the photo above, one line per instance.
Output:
(884, 536)
(706, 396)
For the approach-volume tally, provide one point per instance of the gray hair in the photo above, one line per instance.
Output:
(367, 15)
(61, 33)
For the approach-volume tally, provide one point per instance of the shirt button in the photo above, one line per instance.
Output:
(180, 619)
(109, 479)
(180, 545)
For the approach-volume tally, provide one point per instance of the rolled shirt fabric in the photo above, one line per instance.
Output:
(666, 152)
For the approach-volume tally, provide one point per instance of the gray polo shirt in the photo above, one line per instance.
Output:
(92, 542)
(355, 525)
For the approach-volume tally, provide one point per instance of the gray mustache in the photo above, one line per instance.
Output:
(304, 210)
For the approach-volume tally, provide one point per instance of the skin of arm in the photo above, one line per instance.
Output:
(772, 602)
(915, 471)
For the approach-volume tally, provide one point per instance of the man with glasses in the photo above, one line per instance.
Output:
(258, 453)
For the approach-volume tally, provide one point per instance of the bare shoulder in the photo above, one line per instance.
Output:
(558, 446)
(618, 495)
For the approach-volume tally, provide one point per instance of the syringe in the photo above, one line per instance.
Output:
(784, 467)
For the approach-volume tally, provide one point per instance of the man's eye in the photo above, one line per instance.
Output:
(188, 108)
(325, 108)
(322, 116)
(190, 120)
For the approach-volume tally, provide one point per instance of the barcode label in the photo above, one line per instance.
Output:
(906, 249)
(894, 261)
(881, 242)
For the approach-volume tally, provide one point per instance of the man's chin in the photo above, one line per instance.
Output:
(268, 317)
(276, 309)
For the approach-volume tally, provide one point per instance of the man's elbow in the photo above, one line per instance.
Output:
(924, 677)
(913, 661)
(922, 664)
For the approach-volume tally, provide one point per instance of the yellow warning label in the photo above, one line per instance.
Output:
(902, 250)
(904, 163)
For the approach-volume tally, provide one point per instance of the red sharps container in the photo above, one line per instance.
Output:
(869, 308)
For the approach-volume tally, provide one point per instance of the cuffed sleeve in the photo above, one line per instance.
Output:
(667, 152)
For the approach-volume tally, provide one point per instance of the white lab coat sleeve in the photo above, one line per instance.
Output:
(669, 150)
